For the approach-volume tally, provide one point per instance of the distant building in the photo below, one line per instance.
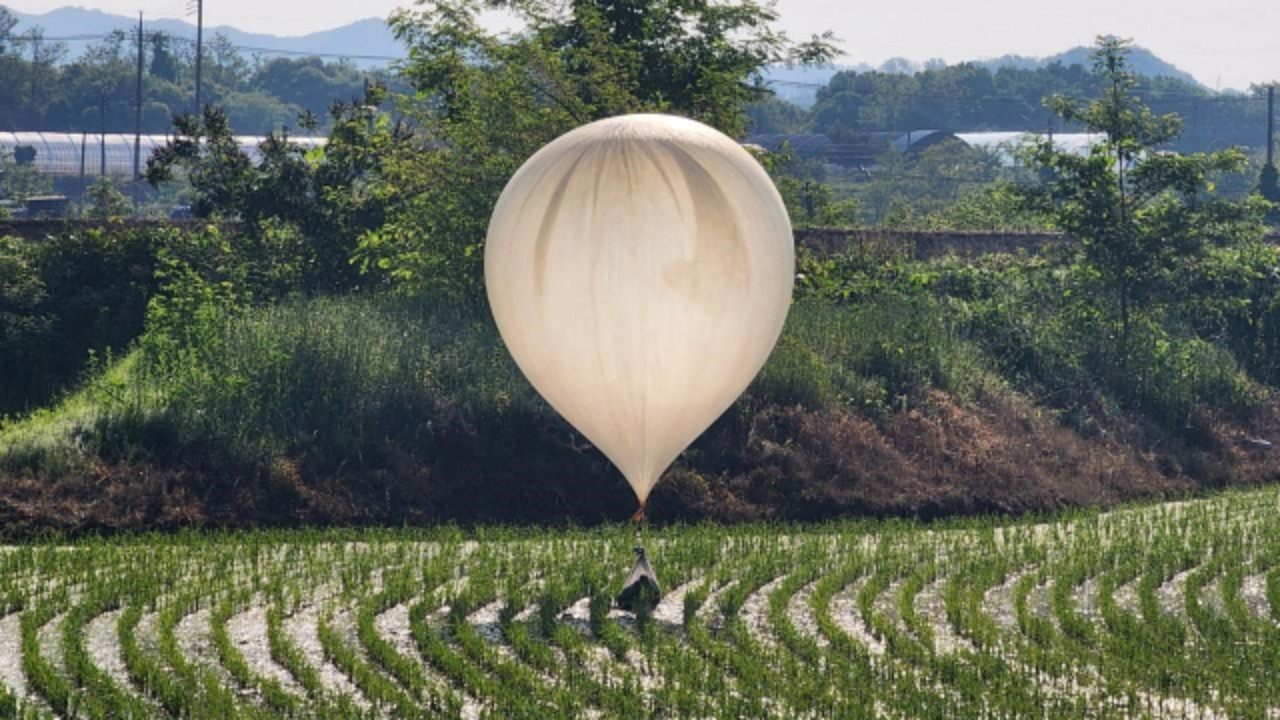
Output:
(1003, 144)
(863, 149)
(112, 155)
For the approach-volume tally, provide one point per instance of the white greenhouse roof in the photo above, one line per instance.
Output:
(70, 153)
(1004, 143)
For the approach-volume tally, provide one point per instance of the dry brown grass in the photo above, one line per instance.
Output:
(998, 453)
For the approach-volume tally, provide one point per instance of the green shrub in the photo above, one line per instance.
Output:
(64, 296)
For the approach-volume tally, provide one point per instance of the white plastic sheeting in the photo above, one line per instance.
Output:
(640, 269)
(71, 153)
(1005, 144)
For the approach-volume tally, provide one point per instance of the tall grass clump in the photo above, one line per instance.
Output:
(337, 377)
(111, 410)
(869, 355)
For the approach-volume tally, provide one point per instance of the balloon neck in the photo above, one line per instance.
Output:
(637, 521)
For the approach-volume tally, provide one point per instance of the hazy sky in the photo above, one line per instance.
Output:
(1223, 43)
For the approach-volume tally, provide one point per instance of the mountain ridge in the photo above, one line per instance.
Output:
(369, 42)
(366, 42)
(799, 85)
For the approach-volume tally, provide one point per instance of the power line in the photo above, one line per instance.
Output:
(307, 53)
(26, 38)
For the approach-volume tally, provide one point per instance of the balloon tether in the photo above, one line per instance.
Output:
(640, 591)
(638, 521)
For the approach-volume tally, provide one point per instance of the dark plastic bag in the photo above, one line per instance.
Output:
(641, 589)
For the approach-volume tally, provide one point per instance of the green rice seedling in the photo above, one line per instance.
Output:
(435, 650)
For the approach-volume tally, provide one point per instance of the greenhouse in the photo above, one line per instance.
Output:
(86, 154)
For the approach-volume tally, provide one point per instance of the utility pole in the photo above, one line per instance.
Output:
(102, 134)
(84, 187)
(1271, 120)
(35, 70)
(137, 110)
(199, 52)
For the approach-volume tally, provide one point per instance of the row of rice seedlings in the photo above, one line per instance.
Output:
(42, 676)
(103, 697)
(846, 659)
(362, 573)
(719, 668)
(1127, 643)
(384, 693)
(268, 688)
(404, 670)
(922, 681)
(600, 681)
(1138, 655)
(987, 675)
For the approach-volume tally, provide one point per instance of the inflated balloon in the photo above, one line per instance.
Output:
(640, 269)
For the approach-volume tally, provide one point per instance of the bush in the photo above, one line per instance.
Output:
(64, 297)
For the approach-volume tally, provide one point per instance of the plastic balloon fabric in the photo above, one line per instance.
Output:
(639, 270)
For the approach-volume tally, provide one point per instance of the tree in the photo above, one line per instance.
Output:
(7, 23)
(308, 83)
(489, 102)
(597, 58)
(1138, 212)
(205, 149)
(305, 207)
(106, 202)
(164, 65)
(1269, 189)
(19, 177)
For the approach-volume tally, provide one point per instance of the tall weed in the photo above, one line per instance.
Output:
(336, 377)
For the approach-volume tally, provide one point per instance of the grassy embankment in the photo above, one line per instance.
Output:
(899, 388)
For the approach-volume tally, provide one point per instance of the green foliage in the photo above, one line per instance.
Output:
(69, 294)
(1137, 212)
(969, 98)
(1269, 189)
(1033, 322)
(92, 291)
(19, 180)
(330, 379)
(904, 347)
(56, 92)
(25, 320)
(491, 101)
(106, 202)
(305, 208)
(996, 206)
(810, 201)
(946, 186)
(1158, 248)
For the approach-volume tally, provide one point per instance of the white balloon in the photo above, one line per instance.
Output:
(639, 269)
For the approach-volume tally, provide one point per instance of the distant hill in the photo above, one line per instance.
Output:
(800, 85)
(1141, 60)
(367, 42)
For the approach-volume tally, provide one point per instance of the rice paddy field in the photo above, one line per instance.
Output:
(1168, 610)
